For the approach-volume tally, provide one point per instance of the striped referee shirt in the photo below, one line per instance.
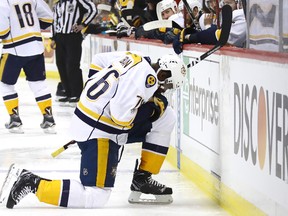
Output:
(69, 12)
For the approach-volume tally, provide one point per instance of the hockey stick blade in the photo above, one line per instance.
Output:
(63, 148)
(161, 24)
(226, 24)
(225, 31)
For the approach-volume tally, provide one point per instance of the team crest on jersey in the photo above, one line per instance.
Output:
(150, 81)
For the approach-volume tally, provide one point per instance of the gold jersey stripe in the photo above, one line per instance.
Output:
(95, 67)
(2, 64)
(46, 20)
(103, 150)
(5, 31)
(97, 116)
(25, 36)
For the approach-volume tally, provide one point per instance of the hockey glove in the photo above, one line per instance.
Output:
(182, 38)
(170, 35)
(123, 31)
(139, 32)
(160, 105)
(179, 41)
(177, 44)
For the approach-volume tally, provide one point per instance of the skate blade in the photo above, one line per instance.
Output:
(50, 130)
(9, 181)
(57, 98)
(73, 105)
(64, 104)
(16, 130)
(149, 199)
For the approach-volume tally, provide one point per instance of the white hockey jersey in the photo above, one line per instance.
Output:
(237, 36)
(20, 21)
(112, 96)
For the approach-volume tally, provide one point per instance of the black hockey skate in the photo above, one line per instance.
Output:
(19, 182)
(60, 93)
(73, 101)
(15, 123)
(143, 183)
(48, 124)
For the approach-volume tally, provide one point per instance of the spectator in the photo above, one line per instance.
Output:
(166, 10)
(191, 20)
(137, 12)
(238, 31)
(70, 17)
(211, 35)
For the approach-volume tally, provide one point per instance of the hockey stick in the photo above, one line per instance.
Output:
(189, 10)
(225, 31)
(63, 148)
(161, 24)
(125, 22)
(244, 6)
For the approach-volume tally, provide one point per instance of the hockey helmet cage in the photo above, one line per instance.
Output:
(172, 63)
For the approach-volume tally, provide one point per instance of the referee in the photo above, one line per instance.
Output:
(70, 17)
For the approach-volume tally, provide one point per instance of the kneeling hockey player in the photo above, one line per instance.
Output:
(122, 102)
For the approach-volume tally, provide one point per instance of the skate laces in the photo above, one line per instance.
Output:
(24, 191)
(154, 182)
(23, 188)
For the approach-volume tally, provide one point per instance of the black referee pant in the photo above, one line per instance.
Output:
(68, 57)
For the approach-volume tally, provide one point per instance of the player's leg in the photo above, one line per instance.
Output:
(36, 77)
(157, 142)
(154, 151)
(10, 67)
(66, 193)
(99, 160)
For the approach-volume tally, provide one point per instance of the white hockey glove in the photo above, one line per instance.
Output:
(123, 31)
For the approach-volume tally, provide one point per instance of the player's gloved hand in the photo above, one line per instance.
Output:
(178, 42)
(136, 21)
(160, 105)
(182, 38)
(139, 32)
(123, 31)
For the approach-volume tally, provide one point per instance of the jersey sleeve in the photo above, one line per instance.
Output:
(44, 14)
(91, 11)
(4, 23)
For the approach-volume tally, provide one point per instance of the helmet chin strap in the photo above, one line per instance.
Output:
(159, 82)
(164, 86)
